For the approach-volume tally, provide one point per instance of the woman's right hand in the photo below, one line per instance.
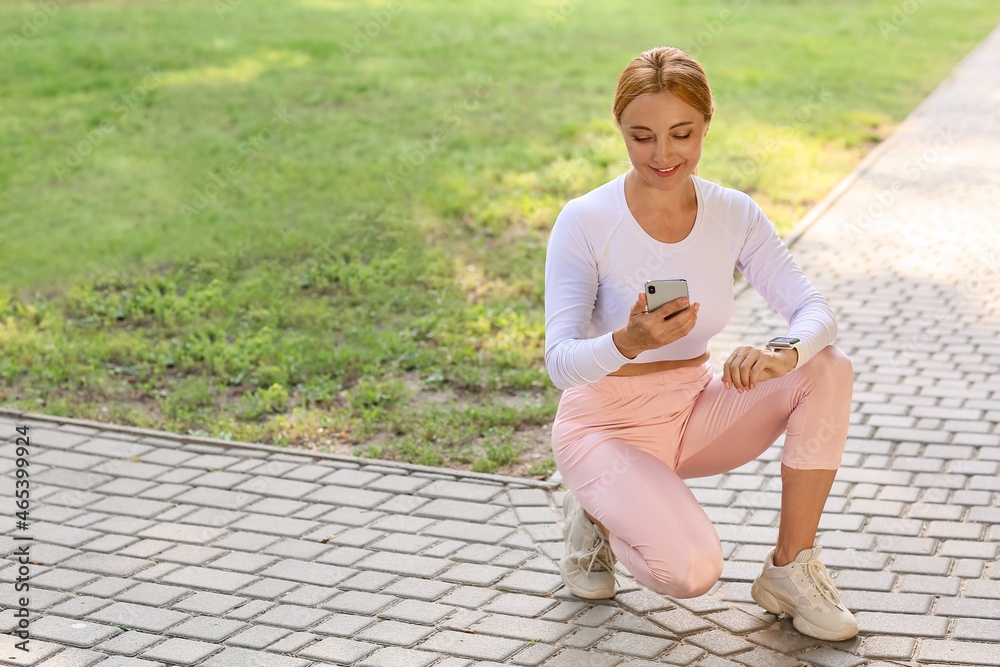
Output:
(648, 331)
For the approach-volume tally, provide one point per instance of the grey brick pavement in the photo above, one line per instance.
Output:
(155, 549)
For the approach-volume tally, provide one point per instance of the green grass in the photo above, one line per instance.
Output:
(265, 225)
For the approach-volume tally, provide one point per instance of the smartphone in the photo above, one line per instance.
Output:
(659, 292)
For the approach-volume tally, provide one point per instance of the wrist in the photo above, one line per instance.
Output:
(620, 338)
(790, 356)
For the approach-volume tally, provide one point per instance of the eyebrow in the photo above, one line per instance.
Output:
(643, 127)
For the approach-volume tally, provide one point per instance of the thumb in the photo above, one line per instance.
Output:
(639, 306)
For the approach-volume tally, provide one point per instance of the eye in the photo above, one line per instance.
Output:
(684, 137)
(641, 139)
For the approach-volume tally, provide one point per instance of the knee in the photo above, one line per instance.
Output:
(690, 579)
(834, 364)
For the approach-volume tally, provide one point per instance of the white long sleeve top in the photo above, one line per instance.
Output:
(598, 258)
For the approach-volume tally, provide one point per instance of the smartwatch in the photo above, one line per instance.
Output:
(781, 343)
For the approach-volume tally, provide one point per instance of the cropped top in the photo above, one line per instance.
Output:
(598, 258)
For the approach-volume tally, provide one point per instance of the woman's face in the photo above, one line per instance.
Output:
(663, 136)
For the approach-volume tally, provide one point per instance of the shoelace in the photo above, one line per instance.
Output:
(821, 580)
(599, 558)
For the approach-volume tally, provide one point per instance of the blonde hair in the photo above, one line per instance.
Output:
(664, 69)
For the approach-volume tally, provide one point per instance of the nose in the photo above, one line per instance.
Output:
(663, 152)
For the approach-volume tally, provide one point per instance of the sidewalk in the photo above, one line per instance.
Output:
(152, 549)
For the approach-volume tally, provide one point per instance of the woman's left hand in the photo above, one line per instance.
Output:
(748, 365)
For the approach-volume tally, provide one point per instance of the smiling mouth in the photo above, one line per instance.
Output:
(666, 171)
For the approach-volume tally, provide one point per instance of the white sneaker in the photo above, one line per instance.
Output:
(588, 568)
(803, 590)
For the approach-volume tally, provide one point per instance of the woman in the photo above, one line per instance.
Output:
(641, 410)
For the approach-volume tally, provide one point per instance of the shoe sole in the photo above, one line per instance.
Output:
(775, 606)
(580, 592)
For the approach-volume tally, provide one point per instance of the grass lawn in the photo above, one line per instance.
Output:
(322, 223)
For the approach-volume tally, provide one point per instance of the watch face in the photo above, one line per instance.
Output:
(783, 340)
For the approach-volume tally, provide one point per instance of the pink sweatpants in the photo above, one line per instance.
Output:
(624, 445)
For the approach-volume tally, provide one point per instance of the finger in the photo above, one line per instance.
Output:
(734, 369)
(745, 368)
(758, 369)
(639, 306)
(676, 306)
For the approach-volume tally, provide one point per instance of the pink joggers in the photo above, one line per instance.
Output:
(624, 445)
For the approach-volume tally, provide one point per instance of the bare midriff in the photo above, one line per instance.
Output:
(654, 366)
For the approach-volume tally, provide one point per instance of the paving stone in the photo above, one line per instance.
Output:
(519, 605)
(127, 615)
(152, 595)
(245, 541)
(464, 596)
(242, 657)
(968, 607)
(308, 573)
(890, 648)
(906, 603)
(680, 621)
(207, 628)
(522, 581)
(262, 523)
(394, 656)
(518, 627)
(180, 651)
(213, 604)
(293, 643)
(902, 624)
(250, 609)
(642, 646)
(584, 637)
(346, 496)
(244, 562)
(71, 631)
(719, 642)
(293, 617)
(475, 646)
(967, 653)
(343, 625)
(357, 602)
(309, 596)
(415, 611)
(115, 566)
(39, 650)
(572, 657)
(760, 657)
(209, 579)
(269, 589)
(470, 532)
(175, 532)
(828, 657)
(398, 484)
(916, 583)
(258, 636)
(73, 657)
(340, 651)
(462, 491)
(394, 632)
(459, 510)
